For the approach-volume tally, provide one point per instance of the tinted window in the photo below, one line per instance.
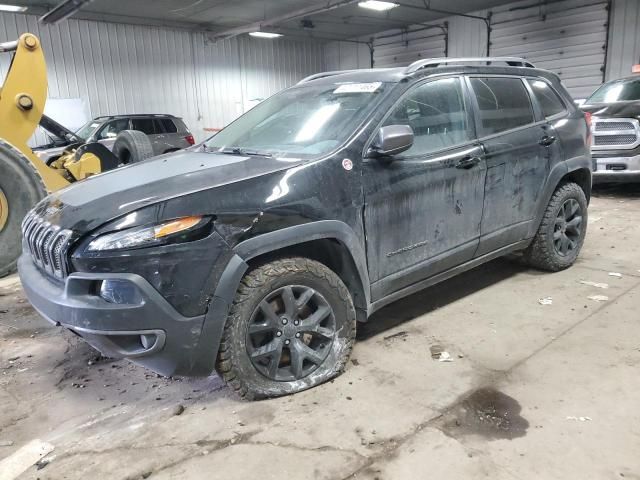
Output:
(504, 104)
(547, 98)
(145, 125)
(113, 128)
(167, 125)
(435, 111)
(618, 91)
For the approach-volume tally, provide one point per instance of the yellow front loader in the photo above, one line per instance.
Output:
(24, 178)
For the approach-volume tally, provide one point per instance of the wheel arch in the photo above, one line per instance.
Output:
(330, 242)
(576, 170)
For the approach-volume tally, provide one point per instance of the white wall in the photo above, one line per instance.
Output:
(467, 36)
(346, 56)
(624, 38)
(120, 68)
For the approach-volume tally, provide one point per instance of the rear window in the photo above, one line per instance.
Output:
(168, 126)
(145, 125)
(503, 102)
(547, 98)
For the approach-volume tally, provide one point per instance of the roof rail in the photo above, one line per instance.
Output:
(315, 76)
(436, 62)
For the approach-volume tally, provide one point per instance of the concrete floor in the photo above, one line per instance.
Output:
(533, 391)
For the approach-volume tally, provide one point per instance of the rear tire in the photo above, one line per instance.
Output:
(132, 146)
(562, 231)
(21, 187)
(291, 327)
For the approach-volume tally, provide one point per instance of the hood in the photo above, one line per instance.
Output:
(614, 110)
(90, 203)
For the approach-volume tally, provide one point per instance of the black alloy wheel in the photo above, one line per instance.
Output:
(290, 333)
(568, 227)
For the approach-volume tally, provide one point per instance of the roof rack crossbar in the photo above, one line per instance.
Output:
(435, 62)
(315, 76)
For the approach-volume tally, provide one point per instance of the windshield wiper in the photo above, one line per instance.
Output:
(245, 152)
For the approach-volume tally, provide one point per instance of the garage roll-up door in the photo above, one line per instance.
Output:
(568, 37)
(398, 50)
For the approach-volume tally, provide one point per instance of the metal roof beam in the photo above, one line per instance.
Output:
(269, 22)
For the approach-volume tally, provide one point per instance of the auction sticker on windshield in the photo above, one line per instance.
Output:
(358, 87)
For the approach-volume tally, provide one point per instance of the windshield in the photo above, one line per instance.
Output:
(87, 130)
(618, 91)
(301, 122)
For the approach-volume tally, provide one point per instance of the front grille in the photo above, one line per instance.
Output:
(615, 140)
(615, 133)
(614, 125)
(48, 244)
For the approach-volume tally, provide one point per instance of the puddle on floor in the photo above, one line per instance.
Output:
(486, 412)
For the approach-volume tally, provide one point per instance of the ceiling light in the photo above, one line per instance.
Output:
(265, 34)
(12, 8)
(377, 5)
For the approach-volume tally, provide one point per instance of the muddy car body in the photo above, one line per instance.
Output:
(286, 247)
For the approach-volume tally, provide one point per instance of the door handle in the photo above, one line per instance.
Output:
(468, 162)
(547, 140)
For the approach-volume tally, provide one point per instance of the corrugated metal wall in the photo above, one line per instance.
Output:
(137, 69)
(397, 49)
(567, 37)
(624, 38)
(569, 40)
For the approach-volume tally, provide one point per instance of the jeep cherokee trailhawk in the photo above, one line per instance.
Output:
(256, 252)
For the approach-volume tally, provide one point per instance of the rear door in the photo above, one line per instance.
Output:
(423, 207)
(517, 163)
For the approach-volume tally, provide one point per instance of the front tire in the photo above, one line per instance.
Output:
(562, 231)
(21, 187)
(291, 327)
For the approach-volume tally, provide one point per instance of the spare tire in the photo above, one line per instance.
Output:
(132, 146)
(21, 187)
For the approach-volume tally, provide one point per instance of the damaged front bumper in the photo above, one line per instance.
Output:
(143, 326)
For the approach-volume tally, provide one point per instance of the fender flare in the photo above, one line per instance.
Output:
(557, 173)
(553, 179)
(306, 232)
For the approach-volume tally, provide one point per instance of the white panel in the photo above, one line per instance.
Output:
(403, 48)
(624, 38)
(346, 56)
(568, 37)
(119, 68)
(467, 36)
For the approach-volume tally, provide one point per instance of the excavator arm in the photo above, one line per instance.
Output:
(22, 100)
(24, 178)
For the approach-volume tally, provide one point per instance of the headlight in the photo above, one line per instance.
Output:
(178, 230)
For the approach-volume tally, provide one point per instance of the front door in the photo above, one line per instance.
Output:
(423, 207)
(517, 161)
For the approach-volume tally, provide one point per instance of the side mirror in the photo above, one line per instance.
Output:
(391, 140)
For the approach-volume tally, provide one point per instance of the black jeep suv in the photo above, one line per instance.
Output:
(259, 250)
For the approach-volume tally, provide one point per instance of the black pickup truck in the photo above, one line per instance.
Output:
(615, 127)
